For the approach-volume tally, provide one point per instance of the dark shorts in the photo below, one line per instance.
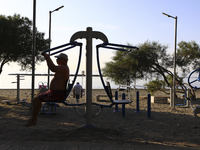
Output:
(52, 96)
(77, 96)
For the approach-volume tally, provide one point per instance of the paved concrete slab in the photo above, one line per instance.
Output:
(32, 145)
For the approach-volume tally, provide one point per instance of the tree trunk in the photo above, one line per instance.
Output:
(2, 64)
(1, 67)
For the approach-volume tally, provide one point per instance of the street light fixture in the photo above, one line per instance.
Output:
(172, 104)
(50, 38)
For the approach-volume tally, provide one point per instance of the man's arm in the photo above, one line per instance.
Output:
(81, 92)
(52, 66)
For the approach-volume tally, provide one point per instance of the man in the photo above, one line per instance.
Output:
(57, 88)
(77, 92)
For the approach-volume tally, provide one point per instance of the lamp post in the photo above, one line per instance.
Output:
(33, 53)
(174, 77)
(50, 38)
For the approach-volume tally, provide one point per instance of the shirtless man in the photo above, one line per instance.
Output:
(57, 88)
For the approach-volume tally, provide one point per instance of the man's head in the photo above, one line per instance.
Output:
(62, 58)
(62, 55)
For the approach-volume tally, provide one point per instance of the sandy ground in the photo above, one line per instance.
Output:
(166, 126)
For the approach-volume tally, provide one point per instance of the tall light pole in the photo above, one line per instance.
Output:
(174, 77)
(48, 80)
(33, 53)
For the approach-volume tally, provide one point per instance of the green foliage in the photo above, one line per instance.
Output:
(155, 85)
(151, 57)
(188, 55)
(170, 79)
(16, 41)
(119, 70)
(152, 60)
(126, 66)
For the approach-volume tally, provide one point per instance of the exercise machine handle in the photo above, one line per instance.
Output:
(61, 46)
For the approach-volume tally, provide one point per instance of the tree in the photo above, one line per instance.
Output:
(150, 59)
(16, 42)
(155, 85)
(188, 56)
(119, 70)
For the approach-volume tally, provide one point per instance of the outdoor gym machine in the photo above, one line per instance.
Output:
(89, 35)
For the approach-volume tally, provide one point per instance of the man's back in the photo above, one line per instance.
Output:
(77, 89)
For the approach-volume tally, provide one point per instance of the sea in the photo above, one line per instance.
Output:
(9, 81)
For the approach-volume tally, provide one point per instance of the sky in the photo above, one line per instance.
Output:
(127, 21)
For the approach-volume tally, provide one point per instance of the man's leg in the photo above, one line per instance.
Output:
(77, 98)
(35, 110)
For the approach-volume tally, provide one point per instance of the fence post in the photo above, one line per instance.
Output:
(137, 103)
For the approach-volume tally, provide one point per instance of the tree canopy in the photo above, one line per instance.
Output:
(155, 85)
(119, 70)
(188, 56)
(139, 64)
(151, 60)
(16, 41)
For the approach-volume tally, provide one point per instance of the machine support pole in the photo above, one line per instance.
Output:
(116, 105)
(89, 35)
(89, 77)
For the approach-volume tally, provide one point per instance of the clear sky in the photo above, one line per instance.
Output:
(122, 21)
